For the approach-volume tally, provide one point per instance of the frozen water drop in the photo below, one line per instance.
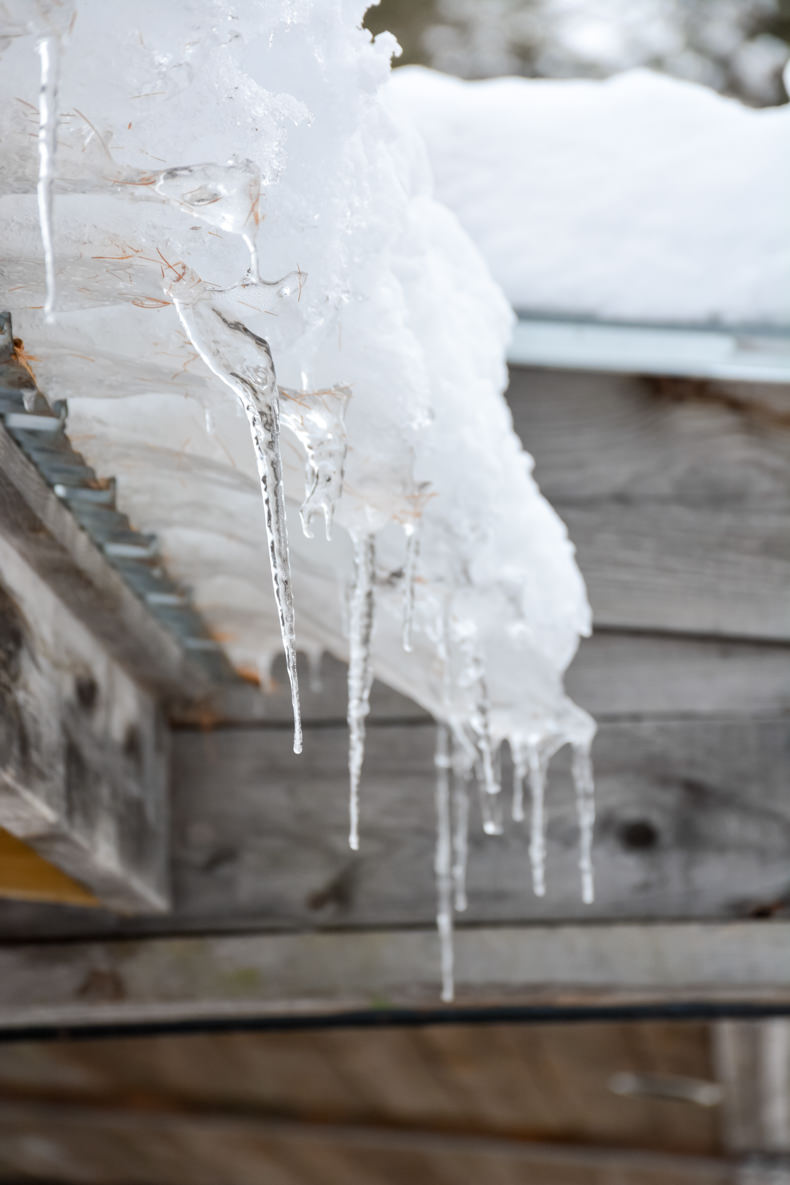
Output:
(317, 420)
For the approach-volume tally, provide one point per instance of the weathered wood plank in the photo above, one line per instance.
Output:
(539, 1082)
(693, 822)
(753, 1063)
(256, 975)
(614, 675)
(90, 1144)
(83, 749)
(677, 495)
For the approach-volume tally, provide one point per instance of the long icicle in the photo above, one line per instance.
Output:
(412, 532)
(49, 51)
(460, 804)
(537, 840)
(242, 361)
(519, 778)
(585, 809)
(360, 669)
(488, 777)
(443, 862)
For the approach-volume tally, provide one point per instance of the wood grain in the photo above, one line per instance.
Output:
(83, 749)
(693, 822)
(92, 1144)
(158, 980)
(676, 494)
(545, 1083)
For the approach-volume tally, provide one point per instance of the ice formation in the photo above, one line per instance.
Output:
(684, 216)
(254, 281)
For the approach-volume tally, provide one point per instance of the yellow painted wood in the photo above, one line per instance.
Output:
(27, 876)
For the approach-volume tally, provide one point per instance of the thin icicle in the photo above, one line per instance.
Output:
(490, 804)
(443, 862)
(49, 51)
(360, 669)
(537, 841)
(243, 362)
(487, 768)
(585, 809)
(519, 778)
(412, 533)
(460, 834)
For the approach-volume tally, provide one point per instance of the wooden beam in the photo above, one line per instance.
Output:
(257, 975)
(83, 748)
(693, 822)
(614, 675)
(91, 1143)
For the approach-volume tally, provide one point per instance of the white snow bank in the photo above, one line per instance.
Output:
(641, 197)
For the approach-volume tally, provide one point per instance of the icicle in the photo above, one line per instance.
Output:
(49, 50)
(585, 809)
(243, 362)
(412, 533)
(490, 804)
(317, 420)
(486, 772)
(460, 804)
(519, 778)
(537, 842)
(360, 670)
(443, 862)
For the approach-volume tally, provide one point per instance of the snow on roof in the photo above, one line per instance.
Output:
(638, 198)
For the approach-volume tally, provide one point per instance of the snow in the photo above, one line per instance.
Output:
(254, 281)
(637, 198)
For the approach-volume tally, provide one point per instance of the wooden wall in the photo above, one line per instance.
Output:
(678, 498)
(677, 495)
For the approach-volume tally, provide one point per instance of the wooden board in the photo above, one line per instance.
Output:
(232, 977)
(693, 822)
(83, 748)
(676, 494)
(93, 1144)
(547, 1083)
(614, 675)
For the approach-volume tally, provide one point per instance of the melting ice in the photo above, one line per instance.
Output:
(174, 161)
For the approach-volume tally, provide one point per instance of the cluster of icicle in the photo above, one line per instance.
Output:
(463, 590)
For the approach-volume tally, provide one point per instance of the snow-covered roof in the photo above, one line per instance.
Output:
(640, 198)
